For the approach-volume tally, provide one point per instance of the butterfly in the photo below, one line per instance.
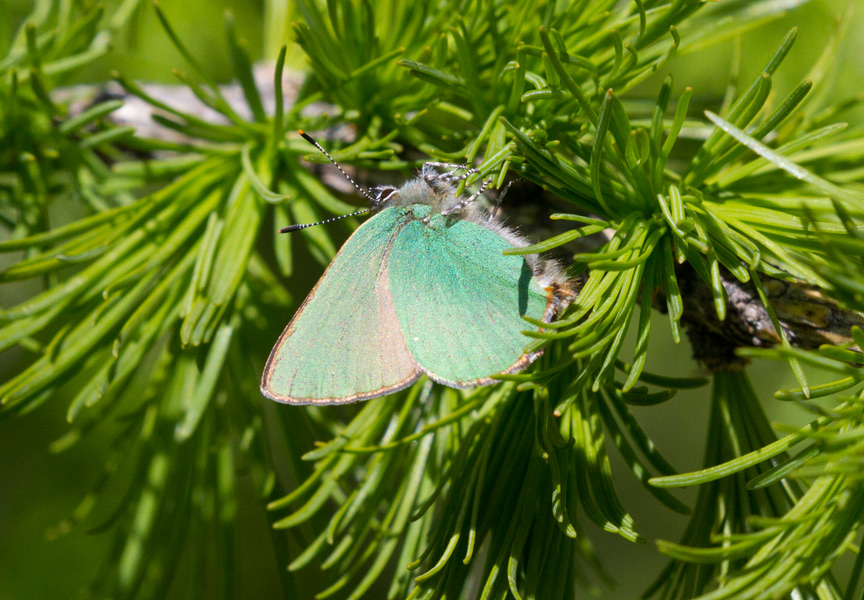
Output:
(421, 288)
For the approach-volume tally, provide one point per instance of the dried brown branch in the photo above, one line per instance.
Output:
(808, 316)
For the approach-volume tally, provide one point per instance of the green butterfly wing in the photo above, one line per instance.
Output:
(459, 300)
(345, 344)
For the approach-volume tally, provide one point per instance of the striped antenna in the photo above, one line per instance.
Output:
(309, 139)
(371, 198)
(291, 228)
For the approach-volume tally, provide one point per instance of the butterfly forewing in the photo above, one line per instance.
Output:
(345, 343)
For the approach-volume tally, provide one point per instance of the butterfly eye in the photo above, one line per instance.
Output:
(382, 194)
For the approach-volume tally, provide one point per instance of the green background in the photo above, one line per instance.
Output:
(38, 489)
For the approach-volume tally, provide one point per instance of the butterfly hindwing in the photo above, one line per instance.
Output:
(459, 300)
(345, 343)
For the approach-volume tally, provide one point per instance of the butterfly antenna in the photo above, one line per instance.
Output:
(309, 139)
(291, 228)
(365, 193)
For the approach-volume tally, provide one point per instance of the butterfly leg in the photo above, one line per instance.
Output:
(432, 176)
(443, 165)
(467, 200)
(500, 198)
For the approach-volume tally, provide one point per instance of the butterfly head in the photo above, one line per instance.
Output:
(382, 196)
(431, 188)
